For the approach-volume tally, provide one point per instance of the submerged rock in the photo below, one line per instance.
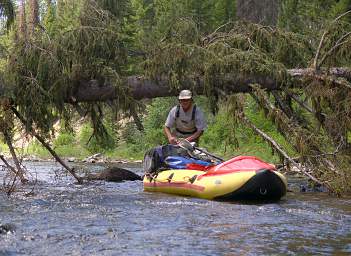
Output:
(114, 174)
(6, 228)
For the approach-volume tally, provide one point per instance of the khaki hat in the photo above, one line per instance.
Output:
(185, 95)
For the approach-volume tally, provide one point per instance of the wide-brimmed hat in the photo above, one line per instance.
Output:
(185, 95)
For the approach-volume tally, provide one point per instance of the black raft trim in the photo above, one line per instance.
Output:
(265, 185)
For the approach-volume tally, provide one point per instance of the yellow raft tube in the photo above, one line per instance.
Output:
(243, 177)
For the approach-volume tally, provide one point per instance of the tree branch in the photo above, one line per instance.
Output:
(19, 172)
(316, 66)
(338, 43)
(47, 146)
(281, 152)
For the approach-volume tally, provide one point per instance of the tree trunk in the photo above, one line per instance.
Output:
(136, 118)
(141, 88)
(22, 25)
(258, 11)
(33, 15)
(59, 7)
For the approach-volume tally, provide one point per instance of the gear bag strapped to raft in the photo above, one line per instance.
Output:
(170, 157)
(154, 159)
(180, 162)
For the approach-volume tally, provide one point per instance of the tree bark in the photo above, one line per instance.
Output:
(258, 11)
(137, 120)
(22, 25)
(140, 87)
(33, 15)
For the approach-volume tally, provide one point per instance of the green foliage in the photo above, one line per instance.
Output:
(224, 11)
(94, 144)
(157, 111)
(310, 17)
(158, 19)
(35, 148)
(64, 139)
(81, 43)
(229, 137)
(153, 122)
(219, 137)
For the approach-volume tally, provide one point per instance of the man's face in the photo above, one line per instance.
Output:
(186, 104)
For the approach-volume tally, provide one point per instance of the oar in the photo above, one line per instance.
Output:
(188, 146)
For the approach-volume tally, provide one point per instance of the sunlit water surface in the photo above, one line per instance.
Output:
(103, 218)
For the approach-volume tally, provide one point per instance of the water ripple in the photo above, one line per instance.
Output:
(101, 218)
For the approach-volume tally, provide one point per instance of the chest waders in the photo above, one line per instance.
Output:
(192, 119)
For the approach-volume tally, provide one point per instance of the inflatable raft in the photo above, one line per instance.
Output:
(240, 178)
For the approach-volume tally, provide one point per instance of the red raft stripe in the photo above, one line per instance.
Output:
(225, 172)
(174, 184)
(222, 172)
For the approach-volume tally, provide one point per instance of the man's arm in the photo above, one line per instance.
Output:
(171, 139)
(170, 122)
(194, 136)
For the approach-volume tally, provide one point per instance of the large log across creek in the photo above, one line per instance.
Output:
(140, 87)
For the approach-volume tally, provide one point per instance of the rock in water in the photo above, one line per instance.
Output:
(7, 228)
(115, 174)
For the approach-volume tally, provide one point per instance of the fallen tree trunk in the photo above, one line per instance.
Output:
(140, 87)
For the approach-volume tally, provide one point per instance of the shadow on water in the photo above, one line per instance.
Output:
(104, 218)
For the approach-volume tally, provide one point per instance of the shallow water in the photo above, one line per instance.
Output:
(102, 218)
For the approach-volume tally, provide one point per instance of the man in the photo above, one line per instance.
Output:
(185, 120)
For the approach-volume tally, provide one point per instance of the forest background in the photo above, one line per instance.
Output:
(51, 46)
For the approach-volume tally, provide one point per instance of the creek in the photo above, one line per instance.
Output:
(60, 217)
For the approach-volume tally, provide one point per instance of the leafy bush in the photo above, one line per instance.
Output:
(97, 145)
(153, 121)
(64, 139)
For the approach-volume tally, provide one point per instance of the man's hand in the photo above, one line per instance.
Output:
(172, 140)
(190, 139)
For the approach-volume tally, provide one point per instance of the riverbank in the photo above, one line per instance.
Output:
(73, 153)
(96, 158)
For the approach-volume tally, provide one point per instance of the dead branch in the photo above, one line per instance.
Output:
(19, 172)
(8, 165)
(301, 103)
(338, 43)
(47, 146)
(140, 87)
(286, 107)
(11, 188)
(281, 152)
(211, 37)
(315, 61)
(317, 66)
(336, 76)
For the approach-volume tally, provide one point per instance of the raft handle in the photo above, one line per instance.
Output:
(170, 177)
(192, 179)
(263, 191)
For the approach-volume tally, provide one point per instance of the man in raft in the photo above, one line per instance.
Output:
(185, 120)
